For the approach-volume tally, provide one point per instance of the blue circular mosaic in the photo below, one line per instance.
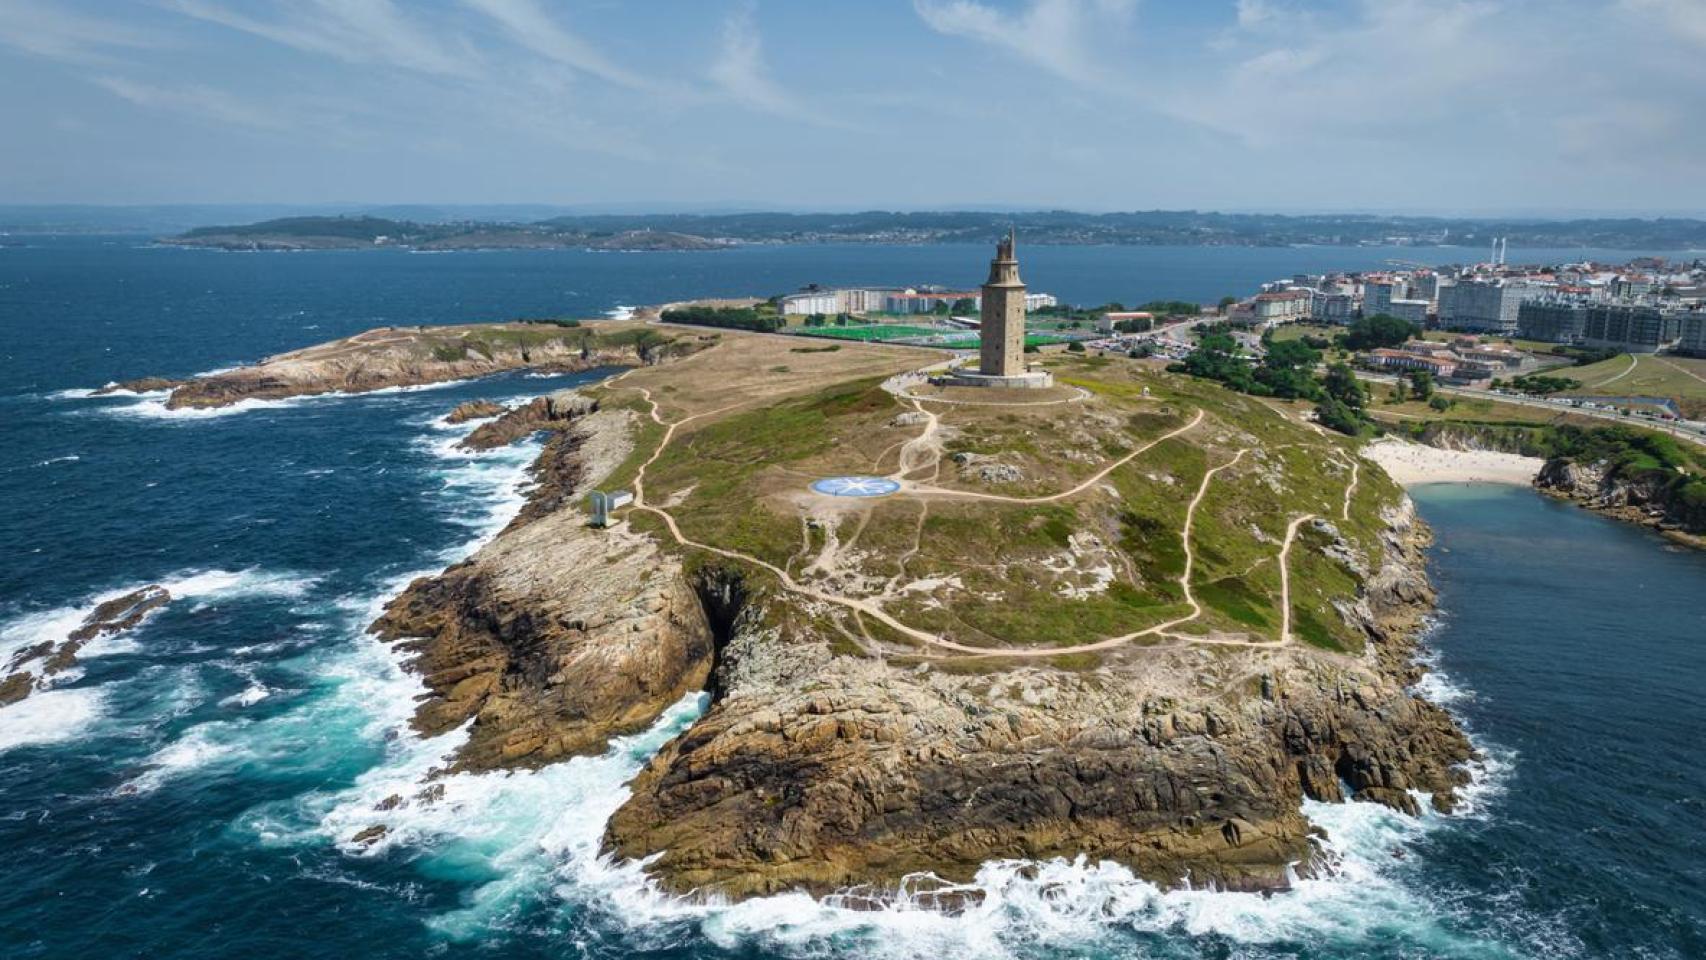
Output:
(856, 486)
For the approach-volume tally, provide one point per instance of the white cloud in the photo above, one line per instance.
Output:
(1686, 17)
(192, 100)
(58, 33)
(1060, 36)
(530, 26)
(739, 71)
(356, 31)
(1388, 65)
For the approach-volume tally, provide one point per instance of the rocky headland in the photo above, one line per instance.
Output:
(1649, 499)
(555, 636)
(390, 357)
(825, 772)
(829, 761)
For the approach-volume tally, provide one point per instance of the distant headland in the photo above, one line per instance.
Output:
(419, 228)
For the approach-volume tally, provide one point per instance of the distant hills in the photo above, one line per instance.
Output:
(354, 233)
(449, 228)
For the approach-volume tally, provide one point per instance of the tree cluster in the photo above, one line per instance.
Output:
(1380, 330)
(737, 318)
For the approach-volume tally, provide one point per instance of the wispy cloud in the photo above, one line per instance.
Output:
(530, 26)
(740, 74)
(1060, 36)
(59, 33)
(1687, 18)
(1288, 76)
(356, 31)
(196, 101)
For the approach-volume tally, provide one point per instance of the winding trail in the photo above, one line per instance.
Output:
(1095, 478)
(1633, 362)
(1350, 491)
(925, 444)
(1285, 576)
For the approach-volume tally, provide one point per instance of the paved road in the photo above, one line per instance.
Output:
(1690, 431)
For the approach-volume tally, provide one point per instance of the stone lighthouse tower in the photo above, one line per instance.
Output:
(1002, 343)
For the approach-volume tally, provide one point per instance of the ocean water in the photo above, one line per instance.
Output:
(189, 790)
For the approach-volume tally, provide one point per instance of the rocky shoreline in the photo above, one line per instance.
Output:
(821, 772)
(818, 770)
(1649, 498)
(34, 667)
(1594, 487)
(393, 357)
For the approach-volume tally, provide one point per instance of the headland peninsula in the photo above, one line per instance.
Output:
(446, 230)
(1132, 616)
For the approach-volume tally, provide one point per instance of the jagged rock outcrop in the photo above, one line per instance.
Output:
(140, 385)
(1647, 498)
(819, 771)
(554, 637)
(474, 410)
(414, 356)
(39, 662)
(551, 412)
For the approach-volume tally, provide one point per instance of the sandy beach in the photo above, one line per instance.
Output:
(1411, 464)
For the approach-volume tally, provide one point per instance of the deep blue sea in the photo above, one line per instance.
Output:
(185, 792)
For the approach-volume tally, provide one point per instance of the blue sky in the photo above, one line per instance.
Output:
(1457, 106)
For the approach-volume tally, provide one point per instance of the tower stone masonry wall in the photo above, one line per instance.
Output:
(1001, 350)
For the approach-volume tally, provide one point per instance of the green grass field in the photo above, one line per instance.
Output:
(1297, 331)
(1682, 379)
(919, 336)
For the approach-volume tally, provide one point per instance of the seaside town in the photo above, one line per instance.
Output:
(1515, 330)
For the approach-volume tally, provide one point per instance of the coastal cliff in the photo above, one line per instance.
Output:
(555, 636)
(1650, 498)
(826, 772)
(390, 357)
(843, 753)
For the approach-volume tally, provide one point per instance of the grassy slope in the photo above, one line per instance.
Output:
(1681, 378)
(742, 480)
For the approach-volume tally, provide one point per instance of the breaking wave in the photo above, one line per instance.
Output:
(50, 716)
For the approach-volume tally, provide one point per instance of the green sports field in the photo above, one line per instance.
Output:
(947, 339)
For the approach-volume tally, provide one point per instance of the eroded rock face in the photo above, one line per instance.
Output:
(555, 636)
(1648, 499)
(140, 385)
(821, 772)
(551, 412)
(39, 662)
(474, 410)
(400, 357)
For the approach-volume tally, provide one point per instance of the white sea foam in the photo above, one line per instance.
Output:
(227, 584)
(53, 626)
(620, 313)
(151, 405)
(540, 831)
(365, 695)
(69, 458)
(82, 706)
(200, 747)
(250, 695)
(50, 716)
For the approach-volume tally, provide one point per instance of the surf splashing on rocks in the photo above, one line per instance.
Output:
(539, 833)
(363, 692)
